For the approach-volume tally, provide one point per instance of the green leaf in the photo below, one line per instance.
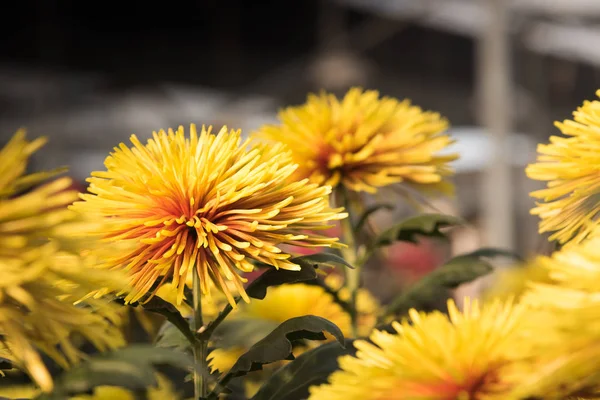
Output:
(277, 345)
(313, 367)
(169, 336)
(368, 212)
(159, 306)
(410, 229)
(273, 277)
(242, 332)
(492, 252)
(430, 293)
(131, 368)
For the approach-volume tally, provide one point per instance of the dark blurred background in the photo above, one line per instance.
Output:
(88, 74)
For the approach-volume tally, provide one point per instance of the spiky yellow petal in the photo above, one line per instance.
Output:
(433, 357)
(564, 322)
(42, 273)
(206, 203)
(570, 205)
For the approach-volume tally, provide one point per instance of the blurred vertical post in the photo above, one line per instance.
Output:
(495, 100)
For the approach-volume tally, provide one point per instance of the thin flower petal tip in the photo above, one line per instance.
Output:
(202, 203)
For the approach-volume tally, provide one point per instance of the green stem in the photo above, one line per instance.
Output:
(352, 275)
(210, 328)
(350, 255)
(199, 345)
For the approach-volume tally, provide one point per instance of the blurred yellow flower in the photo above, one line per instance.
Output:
(433, 357)
(208, 203)
(42, 274)
(565, 323)
(571, 165)
(164, 391)
(14, 157)
(364, 142)
(223, 359)
(367, 306)
(289, 301)
(513, 281)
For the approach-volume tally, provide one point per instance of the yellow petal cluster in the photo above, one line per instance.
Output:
(364, 141)
(42, 273)
(570, 205)
(433, 357)
(565, 322)
(207, 203)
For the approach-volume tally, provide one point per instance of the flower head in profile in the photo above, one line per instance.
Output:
(364, 142)
(42, 273)
(204, 203)
(570, 205)
(433, 357)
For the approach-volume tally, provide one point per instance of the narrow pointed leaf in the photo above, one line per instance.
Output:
(430, 293)
(169, 336)
(291, 382)
(132, 368)
(410, 229)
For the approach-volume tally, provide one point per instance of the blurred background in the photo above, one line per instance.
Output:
(88, 75)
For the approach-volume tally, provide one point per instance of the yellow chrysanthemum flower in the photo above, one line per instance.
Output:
(571, 201)
(296, 300)
(433, 357)
(565, 324)
(42, 275)
(207, 202)
(364, 142)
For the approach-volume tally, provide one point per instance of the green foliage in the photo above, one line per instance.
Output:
(410, 229)
(313, 367)
(428, 293)
(131, 368)
(242, 332)
(272, 277)
(159, 306)
(278, 344)
(169, 336)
